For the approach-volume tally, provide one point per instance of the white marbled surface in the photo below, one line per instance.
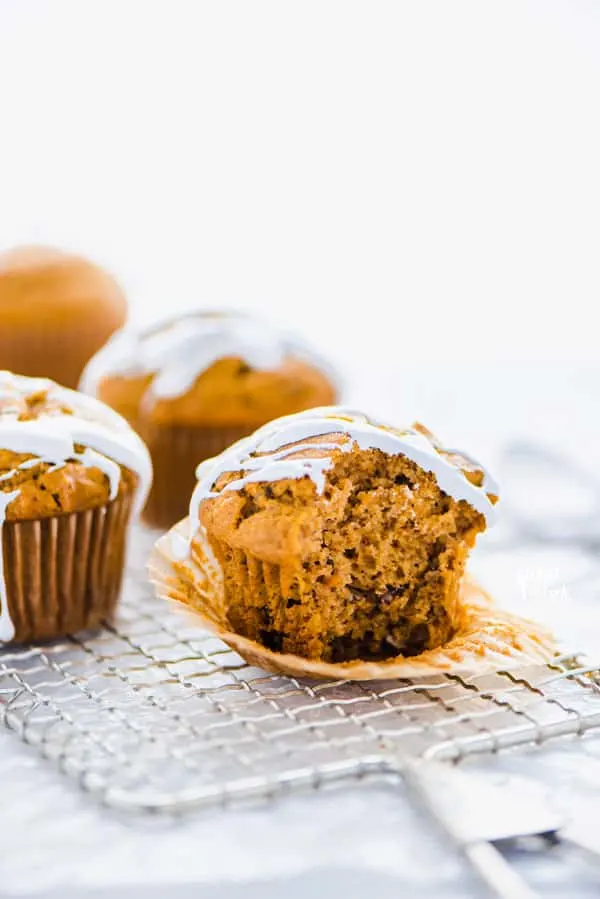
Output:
(55, 841)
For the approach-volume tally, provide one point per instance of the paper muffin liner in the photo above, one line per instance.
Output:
(487, 638)
(176, 451)
(57, 353)
(63, 574)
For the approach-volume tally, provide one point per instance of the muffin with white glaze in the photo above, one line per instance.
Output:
(193, 386)
(71, 472)
(340, 538)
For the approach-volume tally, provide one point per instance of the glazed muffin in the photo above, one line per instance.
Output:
(340, 538)
(71, 473)
(197, 384)
(56, 311)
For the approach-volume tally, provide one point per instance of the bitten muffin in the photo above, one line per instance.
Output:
(193, 386)
(340, 538)
(56, 311)
(71, 471)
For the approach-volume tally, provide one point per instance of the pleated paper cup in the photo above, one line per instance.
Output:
(487, 638)
(63, 574)
(57, 351)
(176, 451)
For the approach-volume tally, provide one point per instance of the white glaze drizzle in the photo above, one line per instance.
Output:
(51, 438)
(264, 456)
(177, 352)
(7, 628)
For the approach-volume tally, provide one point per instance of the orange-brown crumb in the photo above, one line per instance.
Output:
(369, 569)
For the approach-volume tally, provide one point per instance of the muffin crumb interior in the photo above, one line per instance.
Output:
(369, 569)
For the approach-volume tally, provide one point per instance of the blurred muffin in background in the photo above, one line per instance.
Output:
(196, 384)
(56, 311)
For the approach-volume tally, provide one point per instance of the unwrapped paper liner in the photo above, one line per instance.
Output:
(488, 639)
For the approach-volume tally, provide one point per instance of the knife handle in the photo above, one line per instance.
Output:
(502, 879)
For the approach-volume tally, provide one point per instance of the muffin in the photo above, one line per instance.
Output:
(56, 311)
(196, 384)
(340, 538)
(71, 473)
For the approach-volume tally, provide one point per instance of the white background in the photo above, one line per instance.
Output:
(410, 181)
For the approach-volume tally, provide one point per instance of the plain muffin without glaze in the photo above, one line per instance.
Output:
(195, 385)
(71, 471)
(56, 311)
(340, 538)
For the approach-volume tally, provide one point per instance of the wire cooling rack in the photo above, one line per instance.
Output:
(154, 714)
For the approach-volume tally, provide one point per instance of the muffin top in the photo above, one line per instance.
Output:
(305, 447)
(208, 368)
(45, 285)
(62, 452)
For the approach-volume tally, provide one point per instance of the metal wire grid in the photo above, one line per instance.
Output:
(154, 714)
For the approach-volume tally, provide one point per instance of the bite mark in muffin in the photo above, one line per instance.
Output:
(340, 539)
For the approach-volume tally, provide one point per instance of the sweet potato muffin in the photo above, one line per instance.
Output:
(195, 385)
(56, 311)
(340, 538)
(70, 469)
